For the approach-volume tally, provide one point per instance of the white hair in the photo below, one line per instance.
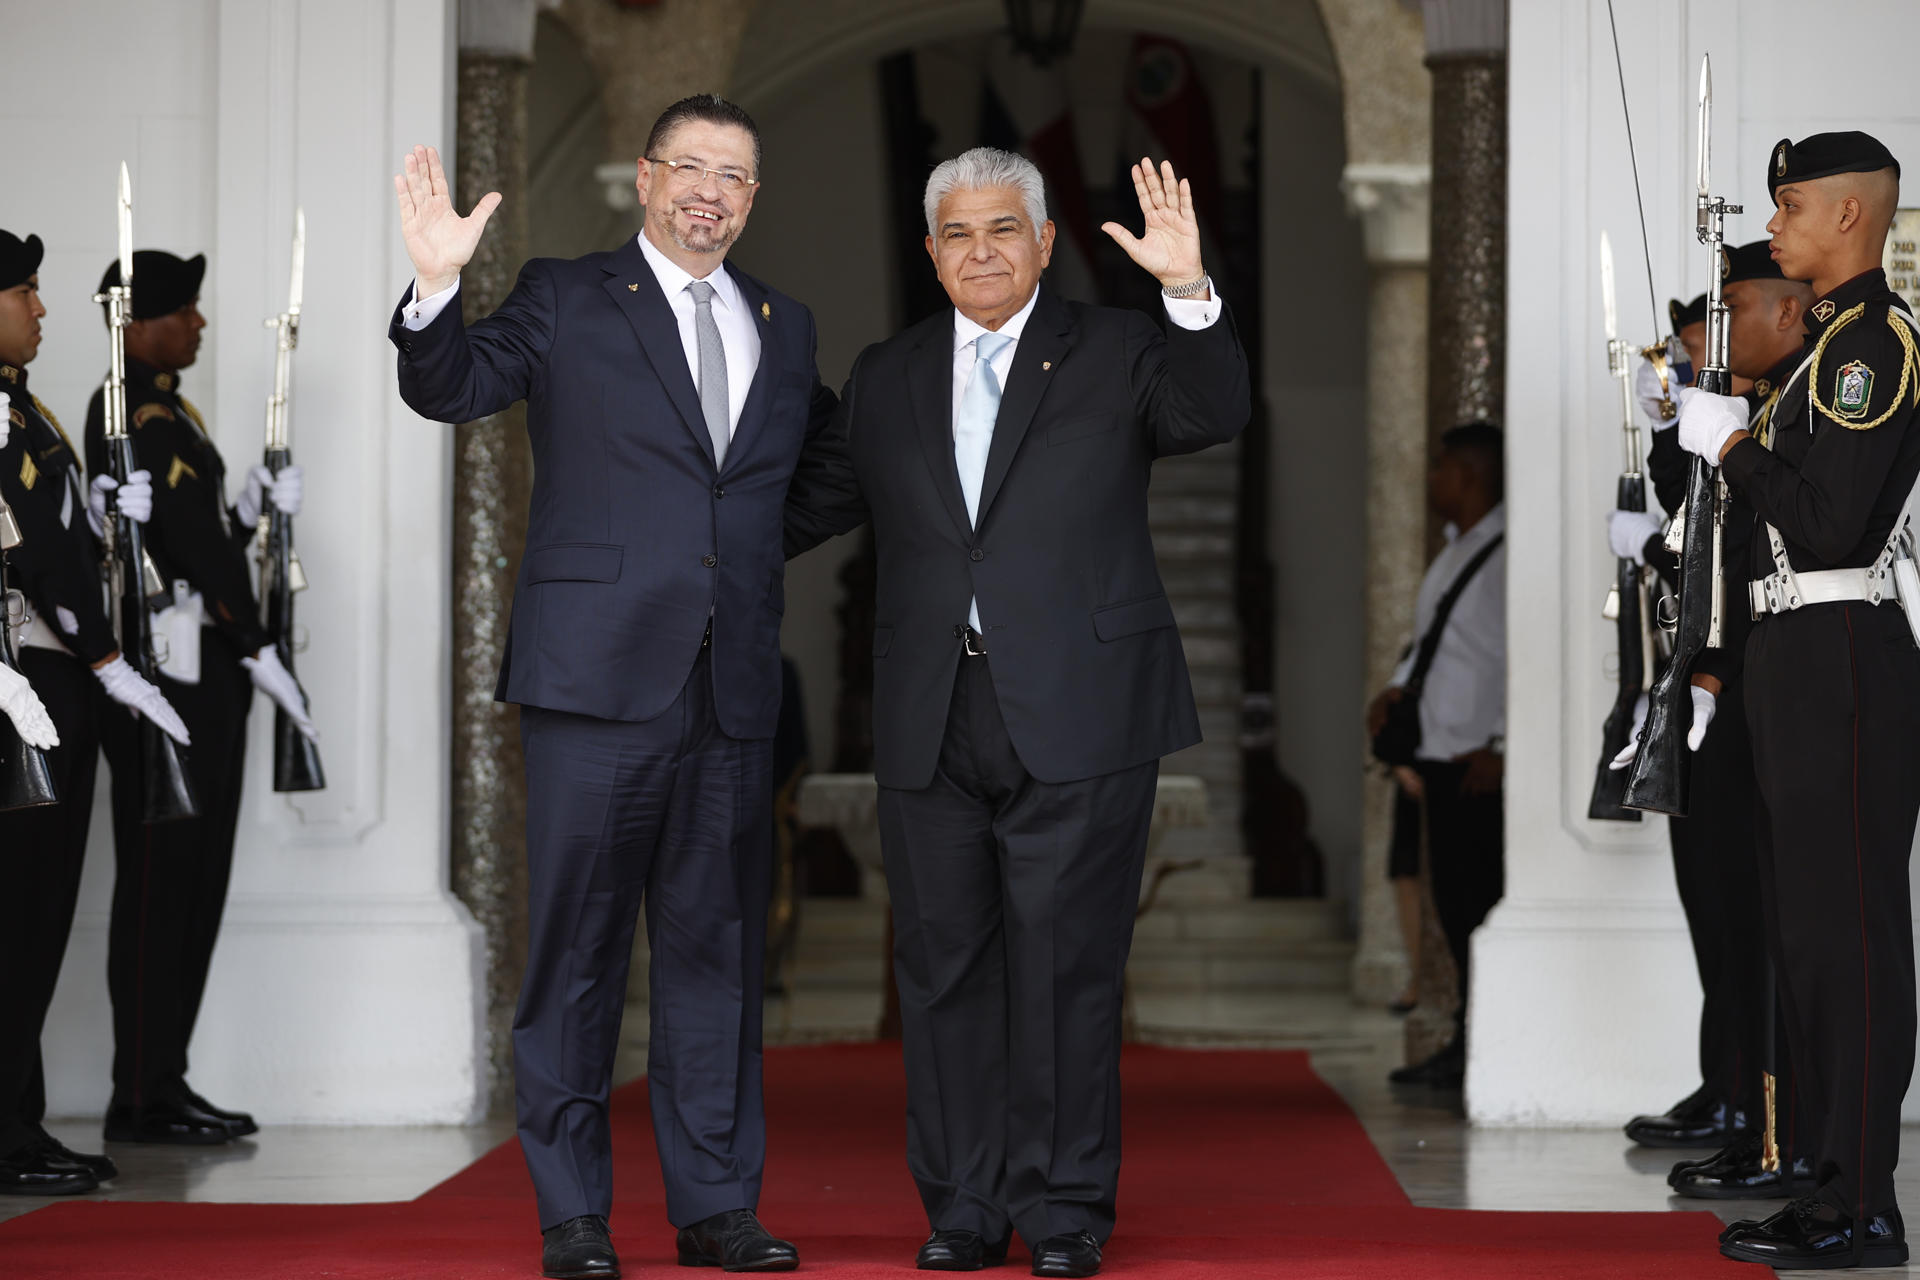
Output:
(984, 168)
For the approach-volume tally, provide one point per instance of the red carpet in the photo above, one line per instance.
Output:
(1242, 1164)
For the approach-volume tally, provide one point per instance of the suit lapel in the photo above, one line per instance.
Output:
(753, 414)
(1043, 345)
(930, 388)
(652, 319)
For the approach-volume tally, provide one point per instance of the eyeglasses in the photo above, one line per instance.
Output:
(685, 173)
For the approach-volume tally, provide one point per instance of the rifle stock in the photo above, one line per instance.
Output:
(1608, 801)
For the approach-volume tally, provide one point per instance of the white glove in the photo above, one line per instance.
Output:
(130, 689)
(1704, 706)
(1706, 420)
(274, 680)
(1632, 749)
(287, 491)
(23, 706)
(1646, 393)
(1628, 531)
(135, 500)
(6, 419)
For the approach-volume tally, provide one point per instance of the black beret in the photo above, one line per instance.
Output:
(162, 283)
(1824, 154)
(1685, 313)
(19, 258)
(1749, 262)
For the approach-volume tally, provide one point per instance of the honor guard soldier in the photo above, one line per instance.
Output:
(171, 880)
(1832, 680)
(1727, 893)
(65, 643)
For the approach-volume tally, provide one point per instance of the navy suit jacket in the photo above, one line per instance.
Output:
(634, 539)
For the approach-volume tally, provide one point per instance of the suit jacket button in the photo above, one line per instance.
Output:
(709, 560)
(719, 492)
(977, 554)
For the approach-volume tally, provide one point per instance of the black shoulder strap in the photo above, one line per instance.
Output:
(1430, 642)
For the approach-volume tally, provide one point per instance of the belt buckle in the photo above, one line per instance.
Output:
(967, 639)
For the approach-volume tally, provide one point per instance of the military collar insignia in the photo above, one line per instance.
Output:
(1780, 161)
(9, 374)
(1762, 388)
(1726, 264)
(164, 381)
(1823, 310)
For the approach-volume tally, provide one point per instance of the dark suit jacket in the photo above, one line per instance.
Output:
(1086, 661)
(633, 540)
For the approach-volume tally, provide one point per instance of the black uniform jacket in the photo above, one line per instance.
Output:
(1086, 661)
(57, 564)
(1842, 450)
(193, 534)
(635, 543)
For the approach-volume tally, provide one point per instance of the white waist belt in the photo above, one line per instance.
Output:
(29, 636)
(1815, 586)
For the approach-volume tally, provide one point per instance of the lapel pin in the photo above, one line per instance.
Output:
(633, 288)
(1045, 365)
(766, 312)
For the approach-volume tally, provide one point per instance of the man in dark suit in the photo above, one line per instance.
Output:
(668, 394)
(1027, 679)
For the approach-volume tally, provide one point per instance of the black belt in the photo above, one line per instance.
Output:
(972, 643)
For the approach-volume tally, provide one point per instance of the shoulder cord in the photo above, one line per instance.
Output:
(1906, 367)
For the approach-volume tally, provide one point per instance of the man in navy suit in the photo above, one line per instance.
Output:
(668, 394)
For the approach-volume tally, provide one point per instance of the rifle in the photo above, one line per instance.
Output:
(1661, 776)
(1627, 600)
(25, 780)
(132, 580)
(296, 760)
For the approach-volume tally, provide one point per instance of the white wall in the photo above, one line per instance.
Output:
(347, 980)
(1585, 999)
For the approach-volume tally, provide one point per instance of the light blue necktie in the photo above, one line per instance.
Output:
(973, 432)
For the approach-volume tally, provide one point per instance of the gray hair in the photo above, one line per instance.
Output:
(981, 169)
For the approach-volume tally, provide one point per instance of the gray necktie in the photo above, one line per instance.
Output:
(713, 368)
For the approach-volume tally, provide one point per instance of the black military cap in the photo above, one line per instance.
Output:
(162, 283)
(1824, 154)
(19, 258)
(1748, 262)
(1685, 313)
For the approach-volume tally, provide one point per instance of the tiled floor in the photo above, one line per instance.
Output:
(1440, 1161)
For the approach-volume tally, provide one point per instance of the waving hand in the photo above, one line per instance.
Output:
(439, 240)
(1169, 246)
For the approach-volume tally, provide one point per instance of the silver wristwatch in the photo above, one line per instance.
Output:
(1191, 289)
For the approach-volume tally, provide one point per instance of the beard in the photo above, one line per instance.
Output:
(714, 241)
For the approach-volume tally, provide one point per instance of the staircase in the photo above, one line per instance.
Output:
(1190, 508)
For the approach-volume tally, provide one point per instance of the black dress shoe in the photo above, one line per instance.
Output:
(1698, 1120)
(168, 1123)
(1446, 1069)
(579, 1249)
(1808, 1235)
(101, 1167)
(35, 1171)
(1069, 1255)
(239, 1123)
(960, 1251)
(1735, 1174)
(734, 1241)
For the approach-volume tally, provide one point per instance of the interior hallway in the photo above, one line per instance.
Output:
(1439, 1161)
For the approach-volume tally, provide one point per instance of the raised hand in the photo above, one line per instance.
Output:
(439, 240)
(1169, 247)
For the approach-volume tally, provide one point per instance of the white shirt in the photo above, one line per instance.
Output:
(1464, 701)
(739, 334)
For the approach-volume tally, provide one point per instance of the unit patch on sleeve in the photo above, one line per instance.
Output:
(1852, 390)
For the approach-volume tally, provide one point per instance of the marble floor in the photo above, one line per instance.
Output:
(1438, 1158)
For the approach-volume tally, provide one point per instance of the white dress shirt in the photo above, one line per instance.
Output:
(739, 334)
(1464, 701)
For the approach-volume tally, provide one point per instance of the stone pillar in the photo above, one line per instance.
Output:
(492, 472)
(1391, 201)
(1466, 368)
